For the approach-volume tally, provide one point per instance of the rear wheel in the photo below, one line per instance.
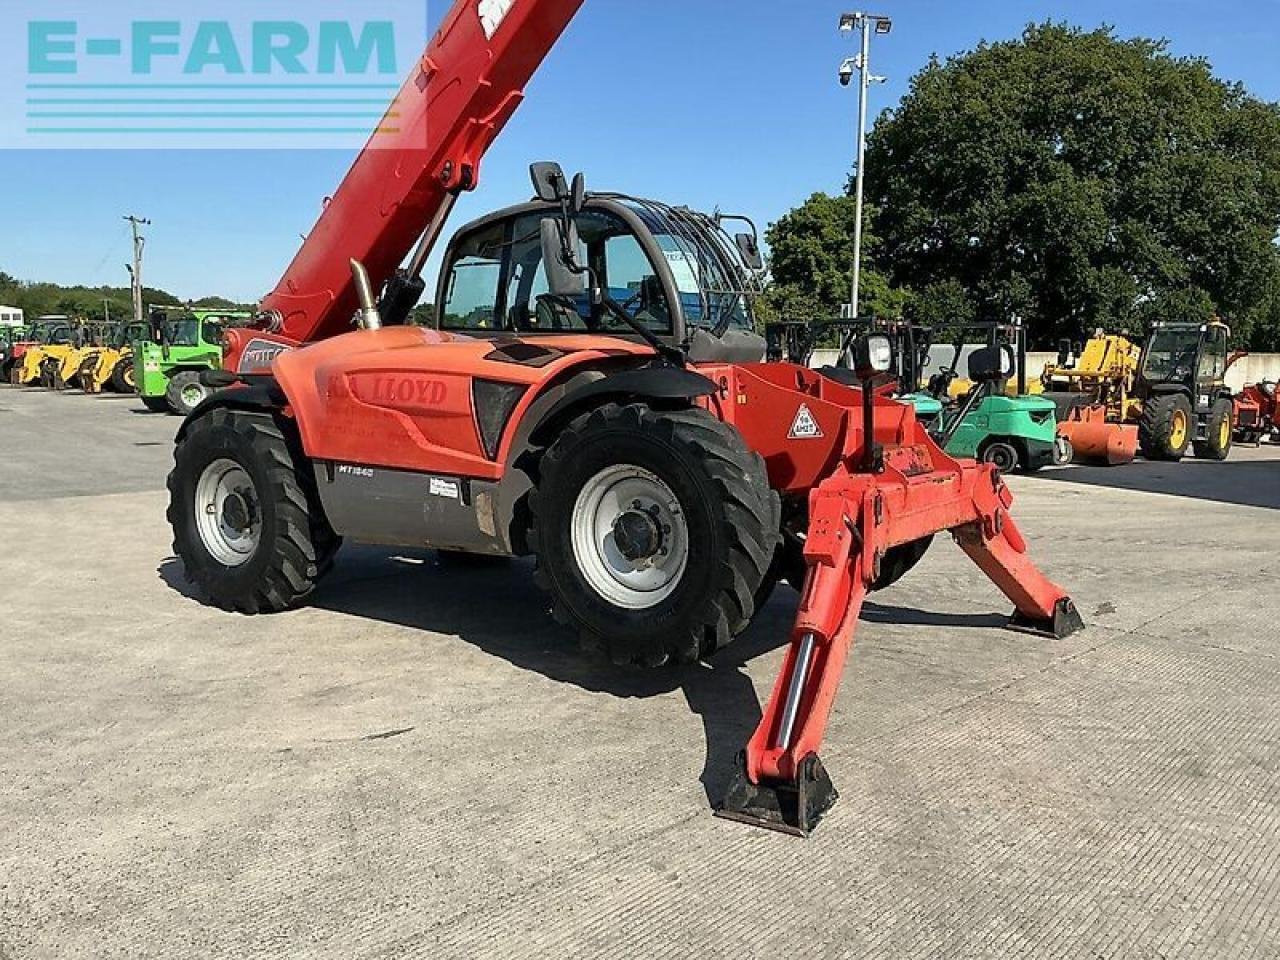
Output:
(1217, 442)
(653, 532)
(185, 392)
(1164, 430)
(1002, 454)
(247, 522)
(122, 376)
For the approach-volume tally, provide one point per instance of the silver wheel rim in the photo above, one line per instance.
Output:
(192, 394)
(624, 494)
(228, 513)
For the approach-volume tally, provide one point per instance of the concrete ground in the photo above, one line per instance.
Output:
(420, 764)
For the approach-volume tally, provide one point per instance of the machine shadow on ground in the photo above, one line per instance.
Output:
(1250, 483)
(455, 597)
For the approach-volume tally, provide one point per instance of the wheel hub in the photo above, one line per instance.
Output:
(637, 535)
(228, 516)
(236, 514)
(630, 537)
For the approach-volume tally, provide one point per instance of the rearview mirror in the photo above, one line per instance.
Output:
(750, 250)
(562, 281)
(578, 193)
(549, 183)
(991, 364)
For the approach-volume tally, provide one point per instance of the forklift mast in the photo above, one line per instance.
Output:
(402, 186)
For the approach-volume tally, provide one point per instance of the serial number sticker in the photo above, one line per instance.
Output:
(443, 488)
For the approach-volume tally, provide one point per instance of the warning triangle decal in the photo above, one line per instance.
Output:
(804, 427)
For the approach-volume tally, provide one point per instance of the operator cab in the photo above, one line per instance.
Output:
(570, 262)
(1187, 354)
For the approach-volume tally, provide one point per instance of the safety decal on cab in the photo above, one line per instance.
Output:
(804, 426)
(492, 13)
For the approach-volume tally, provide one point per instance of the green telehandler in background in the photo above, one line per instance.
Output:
(183, 344)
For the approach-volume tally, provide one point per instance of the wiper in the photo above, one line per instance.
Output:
(663, 350)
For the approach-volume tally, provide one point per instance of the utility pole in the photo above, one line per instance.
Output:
(106, 309)
(865, 22)
(135, 271)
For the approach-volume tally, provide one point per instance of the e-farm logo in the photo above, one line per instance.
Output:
(208, 73)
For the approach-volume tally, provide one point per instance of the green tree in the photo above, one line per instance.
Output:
(811, 264)
(1080, 180)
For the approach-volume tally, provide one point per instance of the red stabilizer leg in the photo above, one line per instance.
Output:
(1041, 606)
(853, 520)
(780, 783)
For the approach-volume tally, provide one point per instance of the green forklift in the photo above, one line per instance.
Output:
(1015, 431)
(183, 345)
(984, 422)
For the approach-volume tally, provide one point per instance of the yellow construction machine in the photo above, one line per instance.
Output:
(1166, 398)
(111, 366)
(1098, 412)
(60, 368)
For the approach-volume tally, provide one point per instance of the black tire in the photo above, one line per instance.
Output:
(85, 374)
(1217, 442)
(896, 563)
(1002, 454)
(185, 392)
(295, 544)
(122, 376)
(156, 404)
(731, 519)
(1157, 436)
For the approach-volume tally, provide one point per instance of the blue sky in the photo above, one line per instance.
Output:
(729, 103)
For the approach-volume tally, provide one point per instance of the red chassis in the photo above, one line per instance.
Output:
(419, 417)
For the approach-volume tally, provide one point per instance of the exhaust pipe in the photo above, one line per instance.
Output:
(368, 318)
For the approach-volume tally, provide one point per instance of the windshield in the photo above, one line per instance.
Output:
(1171, 355)
(716, 287)
(184, 332)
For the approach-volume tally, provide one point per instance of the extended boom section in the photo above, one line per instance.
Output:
(402, 186)
(856, 515)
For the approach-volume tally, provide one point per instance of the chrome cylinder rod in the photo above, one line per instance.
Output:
(795, 690)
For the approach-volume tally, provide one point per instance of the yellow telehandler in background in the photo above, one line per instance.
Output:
(111, 366)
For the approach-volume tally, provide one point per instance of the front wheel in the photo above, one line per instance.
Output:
(186, 392)
(1164, 430)
(247, 521)
(123, 377)
(653, 532)
(1217, 442)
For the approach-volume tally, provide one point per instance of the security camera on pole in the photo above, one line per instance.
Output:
(866, 22)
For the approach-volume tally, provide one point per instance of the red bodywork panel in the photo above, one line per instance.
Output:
(455, 102)
(401, 396)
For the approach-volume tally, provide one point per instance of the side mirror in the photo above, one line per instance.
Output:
(872, 355)
(549, 183)
(578, 194)
(562, 280)
(750, 250)
(991, 364)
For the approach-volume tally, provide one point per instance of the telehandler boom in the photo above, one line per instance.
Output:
(593, 394)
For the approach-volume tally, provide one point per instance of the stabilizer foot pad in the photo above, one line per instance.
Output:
(791, 808)
(1065, 621)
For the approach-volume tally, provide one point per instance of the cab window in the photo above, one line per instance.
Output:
(1213, 359)
(620, 267)
(471, 298)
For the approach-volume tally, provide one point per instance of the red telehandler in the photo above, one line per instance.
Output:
(593, 394)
